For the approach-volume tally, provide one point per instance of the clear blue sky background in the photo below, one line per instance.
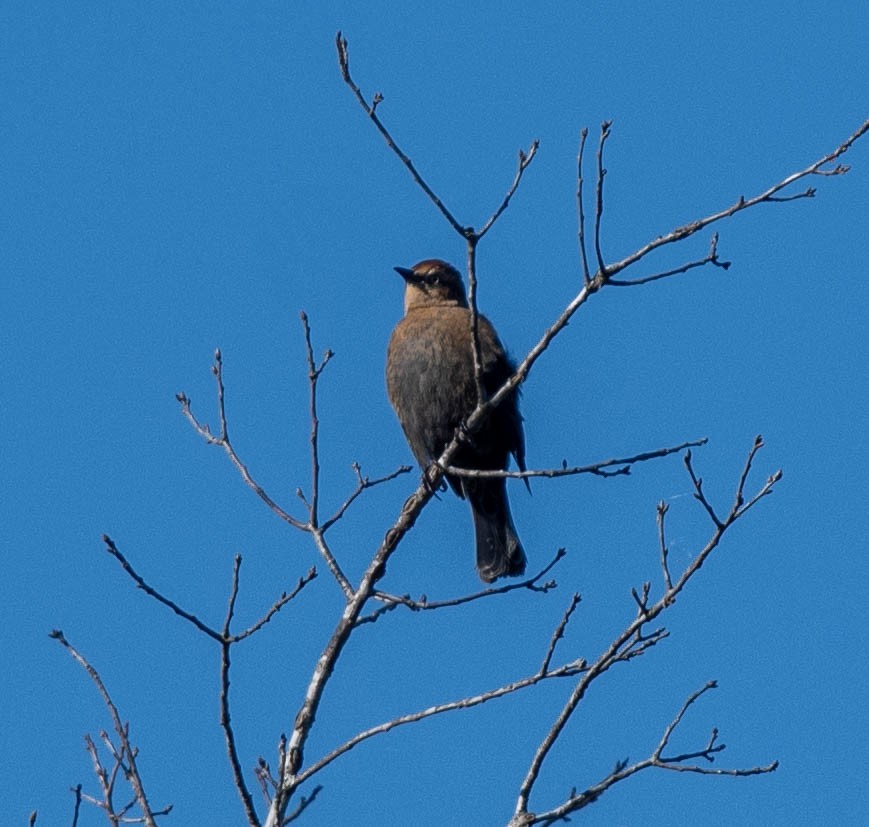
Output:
(176, 178)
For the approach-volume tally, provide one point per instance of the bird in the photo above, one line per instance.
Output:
(431, 386)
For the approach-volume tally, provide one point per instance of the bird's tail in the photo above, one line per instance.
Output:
(499, 551)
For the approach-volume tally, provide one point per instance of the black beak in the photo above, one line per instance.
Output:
(406, 273)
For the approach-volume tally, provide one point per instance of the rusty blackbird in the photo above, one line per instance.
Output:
(430, 381)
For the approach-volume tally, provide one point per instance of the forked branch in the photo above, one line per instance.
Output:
(623, 770)
(635, 640)
(471, 236)
(124, 754)
(226, 639)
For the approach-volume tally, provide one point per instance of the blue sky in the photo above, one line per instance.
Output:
(177, 179)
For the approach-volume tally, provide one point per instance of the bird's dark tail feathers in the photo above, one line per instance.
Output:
(499, 551)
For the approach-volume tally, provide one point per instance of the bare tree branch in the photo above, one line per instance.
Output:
(304, 802)
(225, 714)
(362, 484)
(344, 62)
(525, 158)
(106, 781)
(599, 468)
(633, 640)
(192, 618)
(314, 371)
(598, 210)
(151, 592)
(311, 526)
(226, 641)
(77, 808)
(288, 780)
(742, 203)
(126, 751)
(471, 236)
(665, 568)
(279, 604)
(710, 258)
(605, 273)
(559, 633)
(578, 801)
(476, 347)
(567, 670)
(580, 206)
(698, 491)
(223, 441)
(424, 604)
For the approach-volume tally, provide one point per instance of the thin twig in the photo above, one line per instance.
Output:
(586, 273)
(469, 233)
(740, 497)
(423, 604)
(225, 714)
(304, 802)
(279, 604)
(106, 781)
(314, 371)
(152, 592)
(710, 258)
(707, 752)
(764, 492)
(598, 210)
(699, 495)
(642, 602)
(559, 633)
(223, 441)
(233, 595)
(344, 62)
(599, 468)
(263, 774)
(525, 158)
(77, 808)
(665, 568)
(362, 484)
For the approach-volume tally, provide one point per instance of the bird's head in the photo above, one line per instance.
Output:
(432, 282)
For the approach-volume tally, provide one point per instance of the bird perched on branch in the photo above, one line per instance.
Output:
(431, 385)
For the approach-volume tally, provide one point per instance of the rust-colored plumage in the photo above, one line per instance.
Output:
(430, 381)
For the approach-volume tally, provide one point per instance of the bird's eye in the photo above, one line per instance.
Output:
(432, 279)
